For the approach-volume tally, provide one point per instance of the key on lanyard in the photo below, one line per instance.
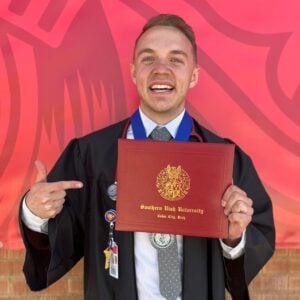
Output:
(111, 252)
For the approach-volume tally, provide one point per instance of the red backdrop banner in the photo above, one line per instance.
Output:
(64, 71)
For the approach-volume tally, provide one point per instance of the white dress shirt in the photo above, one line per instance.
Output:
(146, 264)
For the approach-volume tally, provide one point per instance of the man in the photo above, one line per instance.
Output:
(64, 211)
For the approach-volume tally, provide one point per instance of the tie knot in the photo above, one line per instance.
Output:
(160, 134)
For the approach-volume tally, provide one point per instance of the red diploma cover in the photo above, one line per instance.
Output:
(173, 187)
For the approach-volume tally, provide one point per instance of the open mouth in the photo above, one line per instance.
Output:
(161, 88)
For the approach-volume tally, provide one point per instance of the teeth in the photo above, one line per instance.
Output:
(161, 87)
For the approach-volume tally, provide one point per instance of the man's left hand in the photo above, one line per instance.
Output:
(238, 209)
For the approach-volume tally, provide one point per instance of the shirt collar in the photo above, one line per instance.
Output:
(172, 126)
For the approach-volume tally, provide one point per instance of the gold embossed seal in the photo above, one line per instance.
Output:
(173, 183)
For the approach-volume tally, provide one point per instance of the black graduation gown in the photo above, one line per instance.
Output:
(80, 230)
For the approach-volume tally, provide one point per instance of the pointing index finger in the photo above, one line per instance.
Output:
(65, 185)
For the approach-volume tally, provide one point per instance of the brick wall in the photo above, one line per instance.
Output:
(279, 280)
(13, 286)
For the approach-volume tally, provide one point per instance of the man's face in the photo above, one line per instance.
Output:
(163, 71)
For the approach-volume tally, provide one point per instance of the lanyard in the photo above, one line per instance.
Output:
(186, 129)
(183, 133)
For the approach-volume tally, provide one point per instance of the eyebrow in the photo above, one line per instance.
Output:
(146, 50)
(151, 51)
(179, 52)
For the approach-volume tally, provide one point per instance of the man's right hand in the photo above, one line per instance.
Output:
(46, 199)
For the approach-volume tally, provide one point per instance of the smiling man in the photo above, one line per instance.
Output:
(69, 213)
(164, 68)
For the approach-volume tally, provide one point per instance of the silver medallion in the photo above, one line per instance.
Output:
(162, 240)
(112, 191)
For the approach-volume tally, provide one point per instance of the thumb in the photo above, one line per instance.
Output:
(41, 171)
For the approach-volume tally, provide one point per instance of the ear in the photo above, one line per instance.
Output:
(132, 72)
(194, 78)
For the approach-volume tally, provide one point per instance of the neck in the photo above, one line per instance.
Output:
(161, 118)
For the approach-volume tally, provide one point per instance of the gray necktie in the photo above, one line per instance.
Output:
(166, 245)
